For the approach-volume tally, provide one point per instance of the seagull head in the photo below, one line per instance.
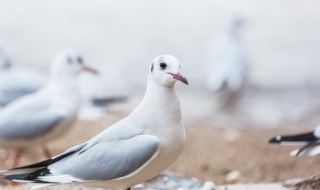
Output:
(165, 70)
(70, 63)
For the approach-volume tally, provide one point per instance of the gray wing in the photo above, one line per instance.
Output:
(8, 96)
(107, 160)
(17, 83)
(29, 120)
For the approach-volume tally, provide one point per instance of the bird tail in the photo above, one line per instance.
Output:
(294, 139)
(31, 177)
(31, 173)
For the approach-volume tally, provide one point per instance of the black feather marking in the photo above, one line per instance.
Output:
(41, 168)
(151, 67)
(32, 177)
(46, 162)
(306, 137)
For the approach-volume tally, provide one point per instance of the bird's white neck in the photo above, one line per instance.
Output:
(156, 92)
(159, 102)
(65, 82)
(66, 90)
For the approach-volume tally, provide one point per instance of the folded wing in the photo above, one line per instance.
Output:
(99, 161)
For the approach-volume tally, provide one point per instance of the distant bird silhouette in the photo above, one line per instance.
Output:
(227, 62)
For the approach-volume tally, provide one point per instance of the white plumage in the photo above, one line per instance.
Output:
(129, 152)
(46, 114)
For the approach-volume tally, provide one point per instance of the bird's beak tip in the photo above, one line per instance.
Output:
(180, 78)
(90, 69)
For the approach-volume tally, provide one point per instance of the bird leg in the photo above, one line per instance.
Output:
(17, 155)
(46, 151)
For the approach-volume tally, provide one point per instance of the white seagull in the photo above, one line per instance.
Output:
(309, 140)
(16, 82)
(227, 61)
(131, 151)
(46, 114)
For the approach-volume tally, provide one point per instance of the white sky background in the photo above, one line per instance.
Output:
(121, 37)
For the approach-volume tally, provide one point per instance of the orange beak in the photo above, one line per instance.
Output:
(180, 78)
(90, 69)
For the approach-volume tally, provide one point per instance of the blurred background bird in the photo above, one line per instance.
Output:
(227, 63)
(15, 81)
(309, 140)
(47, 114)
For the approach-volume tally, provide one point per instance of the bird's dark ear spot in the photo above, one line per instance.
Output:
(151, 67)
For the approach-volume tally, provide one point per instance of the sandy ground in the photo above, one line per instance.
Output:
(211, 152)
(217, 144)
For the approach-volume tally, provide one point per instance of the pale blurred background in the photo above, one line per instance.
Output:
(121, 38)
(282, 36)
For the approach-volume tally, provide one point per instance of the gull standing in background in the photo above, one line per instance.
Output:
(46, 114)
(16, 82)
(227, 63)
(309, 140)
(131, 151)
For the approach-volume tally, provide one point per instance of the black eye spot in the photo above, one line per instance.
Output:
(80, 60)
(163, 65)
